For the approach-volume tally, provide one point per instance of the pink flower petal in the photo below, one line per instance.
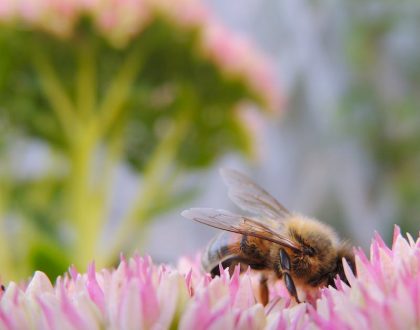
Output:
(5, 320)
(397, 233)
(94, 290)
(47, 312)
(39, 283)
(69, 311)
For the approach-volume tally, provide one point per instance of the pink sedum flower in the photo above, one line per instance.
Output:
(141, 295)
(120, 21)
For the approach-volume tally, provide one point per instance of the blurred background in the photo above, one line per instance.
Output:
(106, 136)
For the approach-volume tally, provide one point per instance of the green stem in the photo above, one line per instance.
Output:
(81, 203)
(119, 90)
(86, 202)
(86, 80)
(55, 92)
(113, 158)
(154, 182)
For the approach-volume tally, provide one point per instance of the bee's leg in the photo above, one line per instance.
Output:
(264, 294)
(290, 285)
(288, 280)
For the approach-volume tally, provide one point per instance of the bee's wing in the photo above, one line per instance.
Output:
(228, 221)
(251, 197)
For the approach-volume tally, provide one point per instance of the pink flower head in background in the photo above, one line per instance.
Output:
(120, 21)
(141, 295)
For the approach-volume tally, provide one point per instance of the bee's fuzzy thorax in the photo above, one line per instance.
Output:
(321, 242)
(311, 229)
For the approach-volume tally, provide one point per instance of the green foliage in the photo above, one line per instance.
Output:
(49, 257)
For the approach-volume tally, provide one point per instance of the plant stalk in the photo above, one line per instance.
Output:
(153, 184)
(86, 87)
(55, 93)
(81, 203)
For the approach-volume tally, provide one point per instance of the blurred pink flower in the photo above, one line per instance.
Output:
(141, 295)
(119, 21)
(239, 58)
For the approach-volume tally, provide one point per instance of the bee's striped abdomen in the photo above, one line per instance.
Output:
(229, 249)
(224, 249)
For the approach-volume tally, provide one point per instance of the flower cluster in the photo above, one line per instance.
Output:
(140, 295)
(385, 294)
(119, 21)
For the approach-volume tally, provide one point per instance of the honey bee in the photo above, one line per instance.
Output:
(303, 252)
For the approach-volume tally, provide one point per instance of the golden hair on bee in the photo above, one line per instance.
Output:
(305, 253)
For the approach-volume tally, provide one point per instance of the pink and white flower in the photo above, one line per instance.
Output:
(141, 295)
